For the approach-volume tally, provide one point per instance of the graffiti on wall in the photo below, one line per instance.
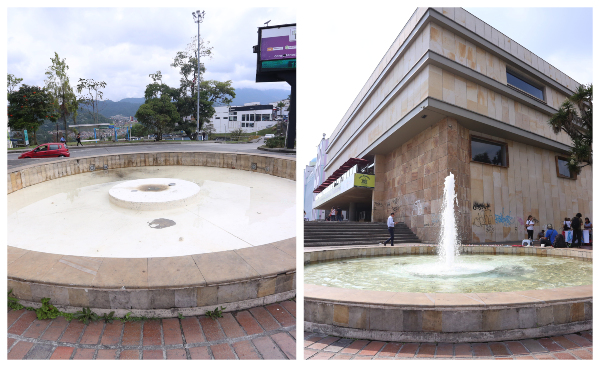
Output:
(483, 217)
(479, 206)
(506, 220)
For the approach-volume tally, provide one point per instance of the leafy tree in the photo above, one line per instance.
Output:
(92, 96)
(29, 107)
(575, 118)
(208, 129)
(158, 115)
(139, 130)
(12, 82)
(57, 83)
(211, 91)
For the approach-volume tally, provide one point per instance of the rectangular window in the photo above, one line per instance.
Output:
(243, 124)
(520, 83)
(265, 117)
(243, 117)
(252, 117)
(489, 152)
(562, 168)
(234, 118)
(252, 124)
(217, 117)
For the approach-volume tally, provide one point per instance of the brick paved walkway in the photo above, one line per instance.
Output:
(571, 346)
(267, 332)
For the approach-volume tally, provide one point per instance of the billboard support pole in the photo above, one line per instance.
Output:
(290, 138)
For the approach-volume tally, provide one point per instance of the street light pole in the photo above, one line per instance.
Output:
(198, 18)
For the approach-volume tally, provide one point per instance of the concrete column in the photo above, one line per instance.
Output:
(352, 212)
(378, 202)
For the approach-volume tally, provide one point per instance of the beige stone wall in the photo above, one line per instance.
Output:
(412, 94)
(408, 28)
(529, 186)
(466, 53)
(414, 174)
(454, 89)
(441, 84)
(491, 34)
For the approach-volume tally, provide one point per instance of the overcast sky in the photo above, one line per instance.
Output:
(121, 46)
(362, 35)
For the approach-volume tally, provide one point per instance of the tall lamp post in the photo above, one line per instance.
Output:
(198, 18)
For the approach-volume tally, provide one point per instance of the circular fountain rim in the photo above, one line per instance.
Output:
(245, 280)
(493, 306)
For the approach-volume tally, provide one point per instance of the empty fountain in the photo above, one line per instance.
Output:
(159, 233)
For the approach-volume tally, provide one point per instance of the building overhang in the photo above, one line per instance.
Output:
(430, 57)
(358, 195)
(433, 58)
(434, 110)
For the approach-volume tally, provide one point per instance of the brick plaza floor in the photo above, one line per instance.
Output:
(571, 346)
(267, 332)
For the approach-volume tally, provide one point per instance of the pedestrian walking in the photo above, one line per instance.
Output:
(390, 225)
(338, 214)
(79, 139)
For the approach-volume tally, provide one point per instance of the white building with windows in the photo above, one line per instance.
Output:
(250, 118)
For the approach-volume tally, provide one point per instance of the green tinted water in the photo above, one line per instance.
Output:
(473, 273)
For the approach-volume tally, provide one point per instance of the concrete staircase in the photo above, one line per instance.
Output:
(353, 233)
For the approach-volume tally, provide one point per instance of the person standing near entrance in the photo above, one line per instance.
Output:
(390, 225)
(79, 139)
(576, 223)
(529, 226)
(332, 215)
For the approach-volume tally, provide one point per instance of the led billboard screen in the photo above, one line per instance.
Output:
(278, 43)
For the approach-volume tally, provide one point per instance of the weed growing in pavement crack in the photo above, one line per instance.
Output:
(217, 313)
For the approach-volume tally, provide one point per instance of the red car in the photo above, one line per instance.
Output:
(47, 150)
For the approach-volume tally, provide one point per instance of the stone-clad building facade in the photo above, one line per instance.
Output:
(451, 86)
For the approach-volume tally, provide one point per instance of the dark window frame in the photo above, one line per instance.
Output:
(526, 79)
(573, 174)
(491, 141)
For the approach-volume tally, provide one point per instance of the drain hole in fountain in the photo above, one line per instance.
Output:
(161, 223)
(153, 188)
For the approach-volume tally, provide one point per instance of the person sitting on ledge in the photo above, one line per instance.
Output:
(548, 240)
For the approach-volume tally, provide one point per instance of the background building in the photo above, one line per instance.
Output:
(455, 95)
(250, 117)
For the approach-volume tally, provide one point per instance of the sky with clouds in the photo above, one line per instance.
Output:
(362, 35)
(121, 46)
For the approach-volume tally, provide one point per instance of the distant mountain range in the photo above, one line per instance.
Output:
(129, 106)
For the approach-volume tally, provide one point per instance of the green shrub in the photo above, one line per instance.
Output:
(275, 142)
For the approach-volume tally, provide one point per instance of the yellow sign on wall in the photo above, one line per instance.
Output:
(363, 180)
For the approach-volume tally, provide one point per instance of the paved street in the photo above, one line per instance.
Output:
(267, 332)
(571, 346)
(79, 152)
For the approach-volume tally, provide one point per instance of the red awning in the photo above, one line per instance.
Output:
(339, 172)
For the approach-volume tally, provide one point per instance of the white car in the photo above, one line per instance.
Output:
(268, 136)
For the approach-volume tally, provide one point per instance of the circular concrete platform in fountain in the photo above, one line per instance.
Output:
(232, 244)
(153, 193)
(445, 317)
